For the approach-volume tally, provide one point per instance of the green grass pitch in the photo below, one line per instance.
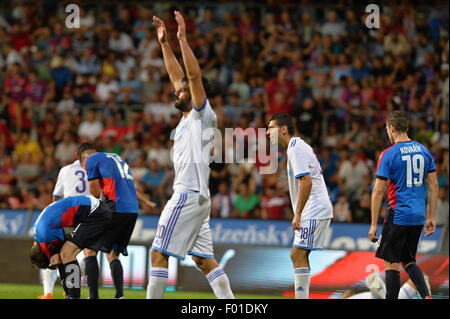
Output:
(20, 291)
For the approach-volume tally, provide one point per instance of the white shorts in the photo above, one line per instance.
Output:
(183, 227)
(312, 234)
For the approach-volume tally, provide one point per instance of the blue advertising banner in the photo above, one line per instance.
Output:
(239, 232)
(280, 234)
(13, 222)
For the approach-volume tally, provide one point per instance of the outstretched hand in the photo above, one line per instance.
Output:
(181, 34)
(161, 29)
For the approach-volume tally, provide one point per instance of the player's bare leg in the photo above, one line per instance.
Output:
(217, 278)
(159, 275)
(92, 272)
(116, 272)
(72, 269)
(302, 274)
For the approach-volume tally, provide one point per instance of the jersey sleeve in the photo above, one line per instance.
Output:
(205, 113)
(59, 187)
(92, 169)
(383, 167)
(299, 162)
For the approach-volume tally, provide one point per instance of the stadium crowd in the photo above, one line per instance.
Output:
(106, 83)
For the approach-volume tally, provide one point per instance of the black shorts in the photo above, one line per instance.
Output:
(398, 242)
(119, 232)
(91, 229)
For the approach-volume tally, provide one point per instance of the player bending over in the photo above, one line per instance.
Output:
(309, 197)
(183, 227)
(52, 248)
(72, 181)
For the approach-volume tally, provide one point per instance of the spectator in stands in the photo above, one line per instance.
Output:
(29, 148)
(333, 27)
(442, 210)
(66, 149)
(7, 175)
(351, 174)
(107, 89)
(27, 172)
(341, 210)
(274, 204)
(222, 202)
(91, 128)
(246, 204)
(154, 176)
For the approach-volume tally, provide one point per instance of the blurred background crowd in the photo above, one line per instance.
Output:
(106, 83)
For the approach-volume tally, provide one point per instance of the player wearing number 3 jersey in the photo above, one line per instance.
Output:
(406, 167)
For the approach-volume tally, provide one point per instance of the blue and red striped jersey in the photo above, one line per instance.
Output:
(115, 179)
(67, 212)
(405, 165)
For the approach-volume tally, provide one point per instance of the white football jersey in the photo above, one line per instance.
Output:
(302, 161)
(72, 181)
(191, 152)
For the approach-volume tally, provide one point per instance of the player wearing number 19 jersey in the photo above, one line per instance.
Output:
(406, 167)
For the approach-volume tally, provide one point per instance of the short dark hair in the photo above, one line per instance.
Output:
(284, 119)
(38, 258)
(399, 120)
(84, 147)
(206, 85)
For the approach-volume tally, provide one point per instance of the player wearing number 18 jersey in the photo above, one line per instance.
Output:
(309, 196)
(406, 167)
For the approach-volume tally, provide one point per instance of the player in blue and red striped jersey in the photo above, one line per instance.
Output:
(53, 248)
(111, 179)
(406, 167)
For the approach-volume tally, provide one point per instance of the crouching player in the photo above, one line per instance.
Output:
(52, 246)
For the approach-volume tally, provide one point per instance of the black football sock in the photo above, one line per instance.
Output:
(92, 274)
(62, 275)
(417, 278)
(392, 284)
(73, 279)
(117, 275)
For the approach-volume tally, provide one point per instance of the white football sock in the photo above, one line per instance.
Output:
(48, 280)
(302, 281)
(407, 292)
(219, 283)
(157, 283)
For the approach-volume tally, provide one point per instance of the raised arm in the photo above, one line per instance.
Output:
(194, 73)
(173, 68)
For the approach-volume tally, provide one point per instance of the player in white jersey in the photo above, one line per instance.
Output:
(72, 181)
(183, 227)
(309, 196)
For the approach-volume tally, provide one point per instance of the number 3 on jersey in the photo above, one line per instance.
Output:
(81, 176)
(414, 164)
(122, 166)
